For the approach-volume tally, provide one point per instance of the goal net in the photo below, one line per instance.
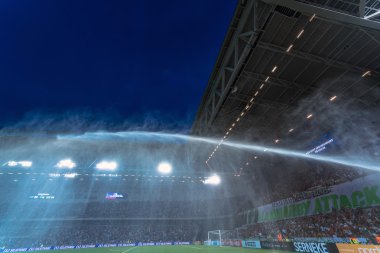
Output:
(220, 237)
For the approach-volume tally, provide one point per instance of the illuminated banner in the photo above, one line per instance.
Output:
(288, 246)
(137, 244)
(42, 196)
(114, 195)
(334, 239)
(303, 247)
(232, 242)
(358, 248)
(362, 192)
(320, 147)
(326, 142)
(315, 247)
(254, 244)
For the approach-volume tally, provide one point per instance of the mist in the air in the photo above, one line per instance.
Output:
(46, 139)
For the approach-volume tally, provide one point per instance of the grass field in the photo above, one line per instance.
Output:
(166, 249)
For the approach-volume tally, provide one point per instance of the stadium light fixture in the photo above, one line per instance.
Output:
(367, 73)
(106, 165)
(312, 17)
(164, 168)
(213, 180)
(70, 175)
(65, 164)
(25, 164)
(289, 48)
(12, 163)
(300, 34)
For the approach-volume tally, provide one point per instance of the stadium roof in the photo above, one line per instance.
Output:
(276, 53)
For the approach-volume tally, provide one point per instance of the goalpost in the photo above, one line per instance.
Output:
(216, 237)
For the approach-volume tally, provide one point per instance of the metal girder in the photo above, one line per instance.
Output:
(326, 13)
(245, 34)
(315, 58)
(276, 81)
(362, 8)
(372, 8)
(373, 15)
(260, 101)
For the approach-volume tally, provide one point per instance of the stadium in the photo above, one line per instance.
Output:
(283, 154)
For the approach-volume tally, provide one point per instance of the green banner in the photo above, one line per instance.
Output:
(358, 193)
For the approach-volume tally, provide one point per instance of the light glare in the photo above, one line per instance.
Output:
(12, 163)
(164, 168)
(214, 180)
(106, 165)
(66, 164)
(367, 73)
(25, 164)
(70, 175)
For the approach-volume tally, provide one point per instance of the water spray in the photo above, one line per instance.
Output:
(158, 136)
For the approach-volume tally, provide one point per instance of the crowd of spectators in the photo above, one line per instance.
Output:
(344, 223)
(91, 234)
(121, 209)
(304, 183)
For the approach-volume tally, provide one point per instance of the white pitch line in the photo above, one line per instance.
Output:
(193, 247)
(128, 250)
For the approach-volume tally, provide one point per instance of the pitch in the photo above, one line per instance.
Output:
(166, 249)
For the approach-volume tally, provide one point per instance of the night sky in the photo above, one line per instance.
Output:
(127, 60)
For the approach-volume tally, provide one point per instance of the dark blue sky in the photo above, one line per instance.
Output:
(127, 58)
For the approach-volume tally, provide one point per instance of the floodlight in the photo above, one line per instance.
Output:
(164, 168)
(70, 175)
(12, 163)
(106, 165)
(214, 180)
(65, 164)
(26, 164)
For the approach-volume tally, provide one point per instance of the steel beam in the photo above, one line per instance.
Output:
(315, 58)
(229, 70)
(326, 13)
(275, 81)
(362, 8)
